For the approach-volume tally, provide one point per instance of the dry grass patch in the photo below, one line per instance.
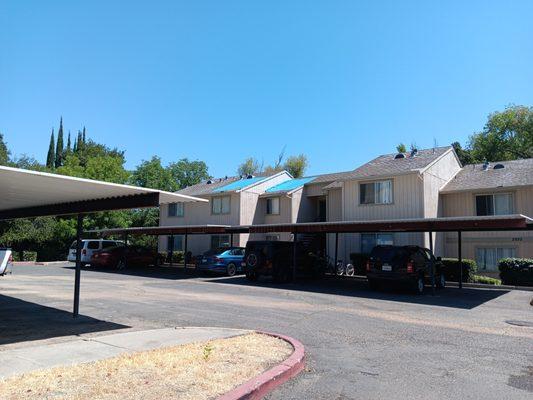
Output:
(195, 371)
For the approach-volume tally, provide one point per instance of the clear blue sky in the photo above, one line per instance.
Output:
(341, 81)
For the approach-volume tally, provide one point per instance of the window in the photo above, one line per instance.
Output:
(487, 258)
(219, 241)
(369, 240)
(178, 243)
(273, 206)
(220, 205)
(106, 244)
(237, 252)
(494, 204)
(379, 192)
(272, 238)
(176, 209)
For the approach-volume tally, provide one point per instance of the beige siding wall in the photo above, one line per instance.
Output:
(435, 178)
(407, 203)
(199, 214)
(315, 189)
(334, 204)
(463, 204)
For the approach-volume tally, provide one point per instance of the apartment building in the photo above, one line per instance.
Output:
(420, 184)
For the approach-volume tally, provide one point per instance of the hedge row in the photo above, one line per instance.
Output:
(25, 256)
(452, 270)
(516, 271)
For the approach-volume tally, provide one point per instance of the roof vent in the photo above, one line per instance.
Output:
(209, 182)
(249, 176)
(414, 152)
(399, 155)
(498, 166)
(486, 165)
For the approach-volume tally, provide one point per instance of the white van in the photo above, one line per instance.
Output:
(89, 247)
(6, 261)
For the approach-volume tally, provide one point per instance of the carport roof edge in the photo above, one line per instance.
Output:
(28, 193)
(514, 222)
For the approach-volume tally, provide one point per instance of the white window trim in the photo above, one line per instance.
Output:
(374, 182)
(493, 201)
(213, 202)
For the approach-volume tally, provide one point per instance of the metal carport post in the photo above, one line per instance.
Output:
(77, 277)
(460, 258)
(432, 264)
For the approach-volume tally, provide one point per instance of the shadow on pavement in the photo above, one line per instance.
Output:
(22, 321)
(173, 273)
(466, 298)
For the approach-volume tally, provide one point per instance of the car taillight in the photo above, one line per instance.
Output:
(217, 259)
(368, 265)
(410, 266)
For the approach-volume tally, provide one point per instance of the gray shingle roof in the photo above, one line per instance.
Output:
(205, 188)
(387, 165)
(473, 177)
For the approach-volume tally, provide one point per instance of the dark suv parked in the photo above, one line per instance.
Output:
(410, 264)
(274, 258)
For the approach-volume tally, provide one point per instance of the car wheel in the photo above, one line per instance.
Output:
(121, 265)
(373, 284)
(350, 270)
(419, 285)
(441, 282)
(231, 269)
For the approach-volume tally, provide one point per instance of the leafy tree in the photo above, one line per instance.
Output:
(464, 154)
(401, 148)
(186, 173)
(250, 166)
(27, 162)
(507, 135)
(4, 152)
(296, 165)
(152, 174)
(59, 146)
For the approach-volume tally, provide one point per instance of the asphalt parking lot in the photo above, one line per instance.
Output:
(360, 344)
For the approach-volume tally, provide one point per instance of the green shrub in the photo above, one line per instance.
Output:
(177, 256)
(452, 271)
(516, 271)
(359, 260)
(25, 256)
(487, 280)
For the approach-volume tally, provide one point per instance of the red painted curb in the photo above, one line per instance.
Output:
(258, 387)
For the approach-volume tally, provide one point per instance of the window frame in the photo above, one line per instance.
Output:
(375, 234)
(181, 241)
(219, 241)
(267, 208)
(221, 199)
(179, 206)
(375, 203)
(495, 248)
(493, 197)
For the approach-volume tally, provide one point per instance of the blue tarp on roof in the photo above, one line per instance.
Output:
(289, 185)
(240, 184)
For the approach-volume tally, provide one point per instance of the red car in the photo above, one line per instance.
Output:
(120, 257)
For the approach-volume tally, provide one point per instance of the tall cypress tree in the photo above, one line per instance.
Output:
(83, 135)
(51, 156)
(59, 146)
(69, 144)
(79, 142)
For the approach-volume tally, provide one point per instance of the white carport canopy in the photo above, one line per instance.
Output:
(32, 194)
(27, 194)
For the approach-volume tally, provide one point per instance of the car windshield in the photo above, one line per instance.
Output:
(389, 254)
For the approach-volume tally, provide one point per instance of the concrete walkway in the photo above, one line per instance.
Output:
(20, 360)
